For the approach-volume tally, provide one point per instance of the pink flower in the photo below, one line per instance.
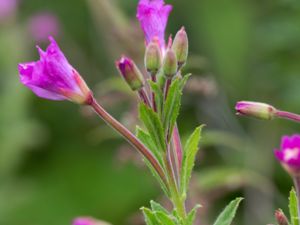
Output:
(83, 221)
(52, 77)
(153, 16)
(255, 109)
(43, 25)
(289, 153)
(7, 8)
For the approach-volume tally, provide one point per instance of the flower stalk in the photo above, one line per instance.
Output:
(130, 137)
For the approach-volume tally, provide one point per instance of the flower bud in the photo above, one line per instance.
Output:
(181, 46)
(281, 218)
(153, 57)
(131, 74)
(256, 109)
(87, 221)
(170, 63)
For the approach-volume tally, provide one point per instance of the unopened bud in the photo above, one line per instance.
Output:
(87, 221)
(181, 46)
(130, 73)
(281, 218)
(153, 59)
(170, 63)
(256, 109)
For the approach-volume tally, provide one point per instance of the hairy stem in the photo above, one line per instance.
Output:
(130, 137)
(144, 97)
(153, 78)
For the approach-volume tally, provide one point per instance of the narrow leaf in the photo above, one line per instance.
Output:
(147, 140)
(164, 218)
(157, 207)
(153, 125)
(156, 175)
(171, 107)
(192, 215)
(293, 207)
(227, 215)
(150, 218)
(188, 161)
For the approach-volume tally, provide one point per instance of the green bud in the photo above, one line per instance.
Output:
(130, 72)
(153, 57)
(181, 46)
(170, 64)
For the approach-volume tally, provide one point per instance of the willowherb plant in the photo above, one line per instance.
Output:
(158, 141)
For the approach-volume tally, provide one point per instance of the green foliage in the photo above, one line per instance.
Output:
(158, 217)
(228, 214)
(159, 98)
(153, 125)
(192, 215)
(293, 207)
(172, 104)
(189, 154)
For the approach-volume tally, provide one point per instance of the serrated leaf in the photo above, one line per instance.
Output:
(293, 207)
(228, 214)
(159, 98)
(150, 217)
(188, 161)
(153, 125)
(192, 215)
(172, 106)
(157, 207)
(164, 218)
(158, 178)
(144, 137)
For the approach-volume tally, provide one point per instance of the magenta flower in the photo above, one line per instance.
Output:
(43, 25)
(7, 8)
(289, 153)
(83, 221)
(153, 16)
(52, 77)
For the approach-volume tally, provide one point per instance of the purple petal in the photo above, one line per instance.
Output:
(153, 16)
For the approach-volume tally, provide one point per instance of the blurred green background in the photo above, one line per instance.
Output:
(59, 161)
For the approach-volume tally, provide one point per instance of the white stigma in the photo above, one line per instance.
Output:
(291, 153)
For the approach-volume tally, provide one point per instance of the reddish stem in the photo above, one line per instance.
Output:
(288, 115)
(177, 149)
(144, 97)
(167, 86)
(130, 137)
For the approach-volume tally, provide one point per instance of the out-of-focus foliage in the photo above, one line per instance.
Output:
(58, 161)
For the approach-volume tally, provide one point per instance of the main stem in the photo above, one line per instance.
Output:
(297, 186)
(130, 137)
(288, 115)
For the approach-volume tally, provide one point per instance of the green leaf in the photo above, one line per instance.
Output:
(293, 207)
(150, 217)
(153, 125)
(192, 215)
(164, 218)
(172, 106)
(157, 207)
(227, 215)
(189, 155)
(156, 175)
(147, 141)
(159, 98)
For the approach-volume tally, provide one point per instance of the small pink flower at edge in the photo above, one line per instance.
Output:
(153, 16)
(289, 154)
(52, 77)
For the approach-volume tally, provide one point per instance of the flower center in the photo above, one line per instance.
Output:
(291, 153)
